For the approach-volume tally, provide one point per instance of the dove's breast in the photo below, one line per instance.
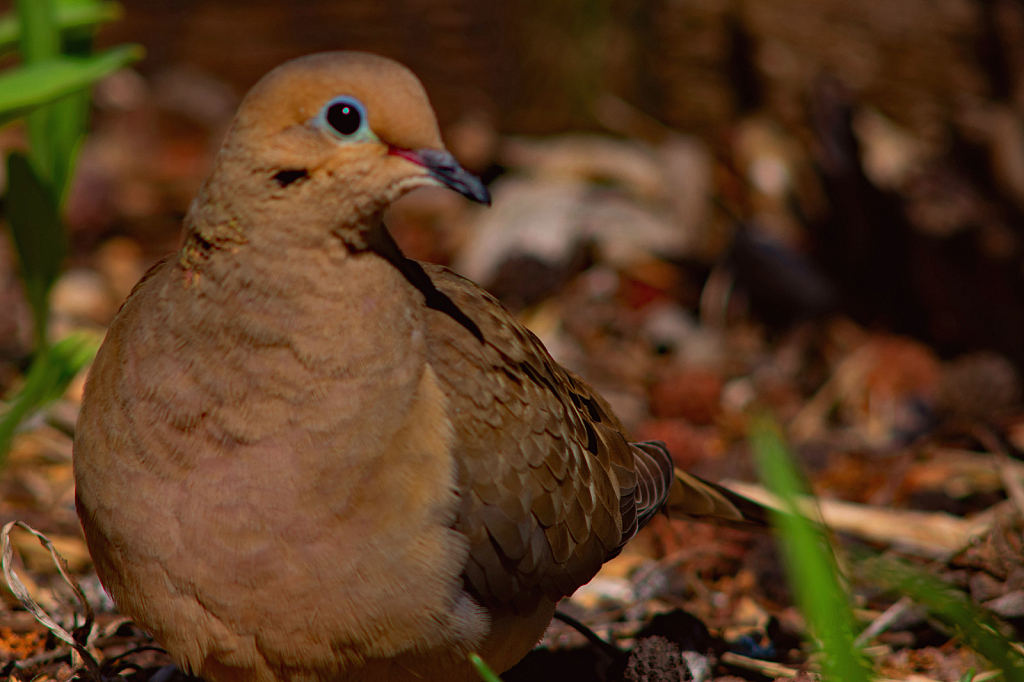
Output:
(292, 503)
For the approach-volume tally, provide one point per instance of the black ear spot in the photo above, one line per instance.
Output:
(287, 177)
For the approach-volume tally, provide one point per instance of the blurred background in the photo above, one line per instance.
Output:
(701, 206)
(707, 173)
(842, 156)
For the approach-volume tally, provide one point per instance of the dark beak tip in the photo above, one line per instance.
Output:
(471, 187)
(485, 196)
(444, 168)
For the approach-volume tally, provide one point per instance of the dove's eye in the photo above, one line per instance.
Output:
(346, 117)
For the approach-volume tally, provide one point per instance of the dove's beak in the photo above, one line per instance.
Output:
(443, 167)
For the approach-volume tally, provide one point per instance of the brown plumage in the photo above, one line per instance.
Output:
(302, 456)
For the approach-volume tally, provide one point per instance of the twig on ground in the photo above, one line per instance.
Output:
(79, 638)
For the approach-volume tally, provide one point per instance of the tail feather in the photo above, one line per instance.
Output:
(693, 497)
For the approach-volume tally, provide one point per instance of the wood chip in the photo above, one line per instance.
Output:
(767, 668)
(932, 534)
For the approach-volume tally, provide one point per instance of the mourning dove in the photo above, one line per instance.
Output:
(302, 456)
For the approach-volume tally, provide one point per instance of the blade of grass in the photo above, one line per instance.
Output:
(810, 566)
(38, 235)
(974, 625)
(40, 37)
(68, 117)
(40, 42)
(69, 17)
(482, 669)
(25, 88)
(47, 380)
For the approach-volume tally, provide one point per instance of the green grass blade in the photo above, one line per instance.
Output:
(40, 42)
(40, 36)
(70, 119)
(68, 126)
(69, 17)
(973, 624)
(25, 88)
(809, 564)
(482, 669)
(47, 379)
(38, 235)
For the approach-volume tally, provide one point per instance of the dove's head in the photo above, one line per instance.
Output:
(333, 139)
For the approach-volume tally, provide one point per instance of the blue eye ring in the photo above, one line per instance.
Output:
(345, 118)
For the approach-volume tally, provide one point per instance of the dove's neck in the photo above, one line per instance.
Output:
(277, 281)
(288, 328)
